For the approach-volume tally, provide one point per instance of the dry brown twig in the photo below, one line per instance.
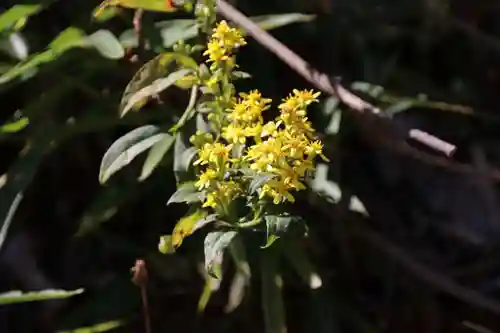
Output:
(140, 279)
(320, 80)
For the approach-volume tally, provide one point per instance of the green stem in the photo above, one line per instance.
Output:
(257, 219)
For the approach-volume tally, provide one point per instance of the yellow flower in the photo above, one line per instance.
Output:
(230, 37)
(234, 133)
(225, 193)
(269, 129)
(215, 153)
(206, 178)
(249, 108)
(299, 99)
(215, 51)
(306, 97)
(277, 191)
(315, 149)
(211, 200)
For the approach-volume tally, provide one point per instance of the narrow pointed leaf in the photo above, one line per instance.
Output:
(276, 227)
(156, 155)
(105, 42)
(187, 193)
(154, 88)
(126, 148)
(186, 226)
(272, 299)
(49, 294)
(215, 244)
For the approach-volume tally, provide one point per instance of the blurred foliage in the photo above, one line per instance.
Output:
(403, 242)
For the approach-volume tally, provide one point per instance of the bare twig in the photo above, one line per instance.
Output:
(320, 80)
(140, 279)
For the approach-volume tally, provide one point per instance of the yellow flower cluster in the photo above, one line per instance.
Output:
(246, 118)
(223, 42)
(288, 149)
(284, 148)
(216, 158)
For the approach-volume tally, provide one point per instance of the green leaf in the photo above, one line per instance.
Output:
(269, 22)
(17, 13)
(150, 5)
(155, 69)
(372, 90)
(126, 148)
(302, 265)
(154, 88)
(189, 112)
(187, 193)
(204, 221)
(259, 180)
(156, 155)
(400, 106)
(211, 286)
(272, 299)
(240, 75)
(186, 226)
(15, 126)
(67, 39)
(105, 42)
(165, 246)
(98, 328)
(172, 31)
(20, 297)
(183, 156)
(276, 226)
(241, 279)
(8, 219)
(15, 45)
(215, 244)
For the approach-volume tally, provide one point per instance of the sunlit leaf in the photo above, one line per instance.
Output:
(166, 245)
(126, 148)
(186, 226)
(49, 294)
(211, 286)
(105, 42)
(165, 6)
(98, 328)
(67, 39)
(156, 69)
(15, 46)
(16, 13)
(269, 22)
(215, 244)
(14, 126)
(154, 88)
